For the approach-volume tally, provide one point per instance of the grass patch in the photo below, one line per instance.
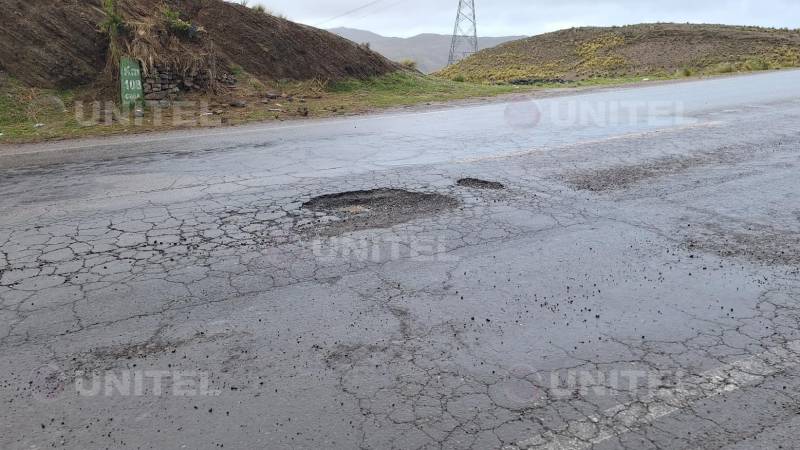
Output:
(58, 115)
(402, 89)
(30, 114)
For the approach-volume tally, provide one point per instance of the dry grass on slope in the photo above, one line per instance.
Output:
(657, 50)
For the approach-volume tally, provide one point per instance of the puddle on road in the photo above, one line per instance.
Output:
(476, 183)
(377, 208)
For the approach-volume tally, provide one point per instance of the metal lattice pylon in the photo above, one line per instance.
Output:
(465, 34)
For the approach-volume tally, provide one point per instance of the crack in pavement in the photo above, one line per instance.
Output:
(665, 401)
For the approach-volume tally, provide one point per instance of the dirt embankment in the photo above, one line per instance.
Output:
(635, 50)
(52, 43)
(48, 43)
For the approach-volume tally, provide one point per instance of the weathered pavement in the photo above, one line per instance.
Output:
(635, 284)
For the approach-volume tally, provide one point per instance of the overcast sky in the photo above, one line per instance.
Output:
(528, 17)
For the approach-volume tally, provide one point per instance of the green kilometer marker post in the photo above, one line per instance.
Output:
(131, 80)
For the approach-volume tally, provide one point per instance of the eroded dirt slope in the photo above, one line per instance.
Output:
(52, 43)
(58, 44)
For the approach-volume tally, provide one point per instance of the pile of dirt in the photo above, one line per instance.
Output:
(635, 50)
(59, 44)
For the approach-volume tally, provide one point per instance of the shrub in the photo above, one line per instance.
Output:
(459, 79)
(409, 64)
(236, 70)
(113, 24)
(724, 68)
(177, 25)
(757, 64)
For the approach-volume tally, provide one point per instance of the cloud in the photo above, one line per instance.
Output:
(515, 17)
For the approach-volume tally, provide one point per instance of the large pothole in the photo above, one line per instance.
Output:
(377, 208)
(476, 183)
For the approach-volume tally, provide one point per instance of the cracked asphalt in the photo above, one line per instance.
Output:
(631, 282)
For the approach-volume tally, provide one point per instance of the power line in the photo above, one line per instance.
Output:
(352, 11)
(379, 10)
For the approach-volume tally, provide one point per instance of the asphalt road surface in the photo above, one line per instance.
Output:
(331, 284)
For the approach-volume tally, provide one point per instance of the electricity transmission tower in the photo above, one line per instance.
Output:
(465, 34)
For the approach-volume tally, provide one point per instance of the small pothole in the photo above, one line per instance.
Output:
(377, 208)
(477, 183)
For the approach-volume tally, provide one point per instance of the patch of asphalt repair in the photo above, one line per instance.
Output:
(760, 244)
(476, 183)
(372, 209)
(623, 176)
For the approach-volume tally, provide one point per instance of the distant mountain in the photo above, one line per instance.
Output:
(429, 51)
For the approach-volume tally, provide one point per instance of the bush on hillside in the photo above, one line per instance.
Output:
(409, 64)
(177, 25)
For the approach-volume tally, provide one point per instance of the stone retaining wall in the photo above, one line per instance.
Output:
(164, 83)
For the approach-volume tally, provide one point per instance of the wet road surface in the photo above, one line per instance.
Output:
(633, 282)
